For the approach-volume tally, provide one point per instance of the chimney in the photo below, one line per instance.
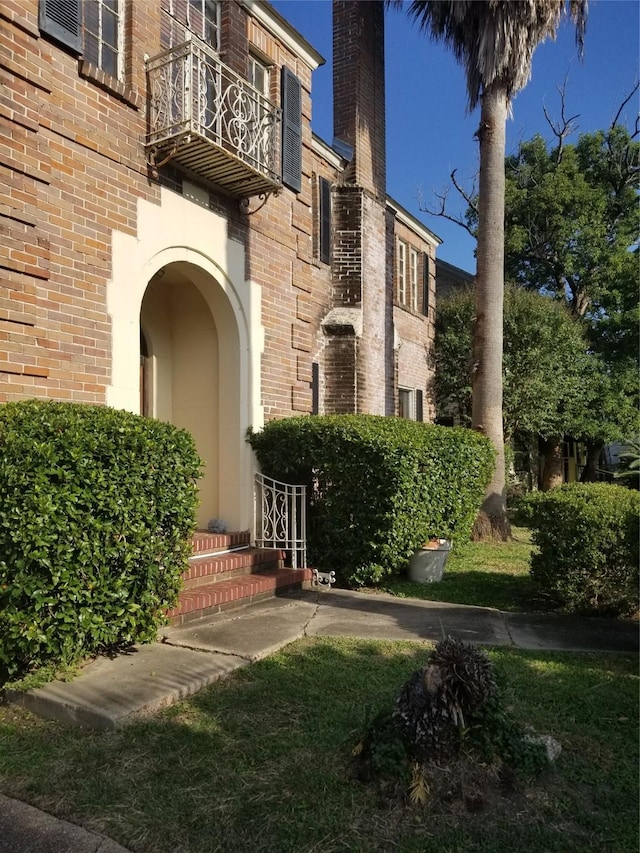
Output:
(358, 90)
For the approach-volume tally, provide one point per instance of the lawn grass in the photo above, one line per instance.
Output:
(261, 761)
(486, 574)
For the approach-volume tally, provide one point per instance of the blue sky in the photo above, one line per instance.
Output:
(429, 132)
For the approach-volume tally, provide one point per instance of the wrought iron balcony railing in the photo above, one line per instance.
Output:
(205, 117)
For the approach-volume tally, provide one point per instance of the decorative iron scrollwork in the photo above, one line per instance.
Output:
(323, 578)
(191, 91)
(245, 203)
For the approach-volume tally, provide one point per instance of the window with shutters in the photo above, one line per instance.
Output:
(291, 130)
(93, 28)
(324, 220)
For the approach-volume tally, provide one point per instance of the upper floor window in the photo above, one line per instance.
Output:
(259, 75)
(402, 272)
(203, 19)
(102, 35)
(183, 18)
(413, 280)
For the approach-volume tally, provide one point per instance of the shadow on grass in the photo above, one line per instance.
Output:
(261, 760)
(475, 587)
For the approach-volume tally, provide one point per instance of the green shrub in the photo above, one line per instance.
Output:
(96, 510)
(588, 537)
(521, 507)
(378, 487)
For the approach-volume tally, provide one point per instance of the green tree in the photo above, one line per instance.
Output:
(494, 40)
(571, 231)
(572, 217)
(545, 359)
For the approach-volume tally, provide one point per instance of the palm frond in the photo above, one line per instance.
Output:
(494, 40)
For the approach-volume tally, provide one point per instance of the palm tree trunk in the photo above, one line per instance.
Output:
(492, 522)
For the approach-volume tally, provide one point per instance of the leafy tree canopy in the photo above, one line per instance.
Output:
(572, 233)
(545, 357)
(572, 219)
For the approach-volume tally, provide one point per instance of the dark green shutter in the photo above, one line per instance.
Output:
(61, 20)
(291, 130)
(419, 405)
(325, 221)
(425, 286)
(315, 388)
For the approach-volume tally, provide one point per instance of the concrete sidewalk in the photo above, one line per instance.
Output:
(111, 692)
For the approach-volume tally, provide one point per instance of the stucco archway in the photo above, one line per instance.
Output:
(206, 270)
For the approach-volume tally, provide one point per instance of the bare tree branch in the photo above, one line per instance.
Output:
(469, 198)
(441, 210)
(565, 126)
(622, 106)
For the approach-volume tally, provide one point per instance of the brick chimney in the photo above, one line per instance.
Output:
(358, 89)
(359, 327)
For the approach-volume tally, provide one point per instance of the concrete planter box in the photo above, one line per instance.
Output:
(427, 564)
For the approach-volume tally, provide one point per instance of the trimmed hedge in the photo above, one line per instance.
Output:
(97, 507)
(378, 487)
(588, 535)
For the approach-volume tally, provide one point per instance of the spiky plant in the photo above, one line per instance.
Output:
(448, 714)
(431, 706)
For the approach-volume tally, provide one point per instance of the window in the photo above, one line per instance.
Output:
(324, 193)
(259, 76)
(102, 35)
(405, 403)
(413, 272)
(203, 19)
(93, 28)
(182, 18)
(402, 272)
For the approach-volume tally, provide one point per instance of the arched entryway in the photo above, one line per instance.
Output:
(190, 365)
(181, 280)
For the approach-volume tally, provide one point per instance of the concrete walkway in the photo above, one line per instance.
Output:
(111, 692)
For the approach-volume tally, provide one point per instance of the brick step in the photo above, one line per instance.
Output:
(221, 567)
(210, 598)
(208, 543)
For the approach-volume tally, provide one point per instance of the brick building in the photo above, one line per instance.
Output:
(176, 240)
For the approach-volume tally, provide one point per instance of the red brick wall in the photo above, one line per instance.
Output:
(71, 159)
(73, 163)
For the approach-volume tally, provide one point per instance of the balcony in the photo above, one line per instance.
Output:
(208, 120)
